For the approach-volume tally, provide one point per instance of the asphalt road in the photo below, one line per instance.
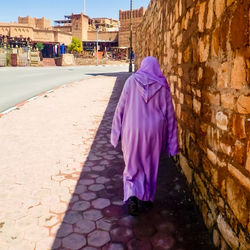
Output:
(20, 84)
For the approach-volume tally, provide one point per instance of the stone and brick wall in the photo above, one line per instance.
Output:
(103, 36)
(203, 49)
(39, 23)
(124, 32)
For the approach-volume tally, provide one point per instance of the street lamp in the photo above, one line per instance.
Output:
(130, 49)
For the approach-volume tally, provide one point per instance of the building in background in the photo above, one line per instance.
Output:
(85, 29)
(37, 23)
(29, 31)
(110, 33)
(124, 31)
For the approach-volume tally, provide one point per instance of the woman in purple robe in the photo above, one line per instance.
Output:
(145, 121)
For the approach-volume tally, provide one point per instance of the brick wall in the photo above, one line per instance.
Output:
(40, 23)
(203, 49)
(124, 31)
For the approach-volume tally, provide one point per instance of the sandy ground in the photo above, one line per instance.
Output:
(45, 138)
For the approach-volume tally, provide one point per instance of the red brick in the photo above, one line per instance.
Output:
(243, 104)
(228, 101)
(212, 156)
(215, 42)
(239, 130)
(238, 75)
(239, 151)
(203, 48)
(239, 25)
(219, 8)
(237, 200)
(212, 98)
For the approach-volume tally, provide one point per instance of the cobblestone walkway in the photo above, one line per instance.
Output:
(95, 217)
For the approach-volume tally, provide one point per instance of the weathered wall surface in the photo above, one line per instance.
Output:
(17, 30)
(39, 23)
(103, 36)
(80, 26)
(203, 49)
(124, 31)
(63, 37)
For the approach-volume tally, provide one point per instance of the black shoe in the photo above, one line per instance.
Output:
(147, 205)
(133, 206)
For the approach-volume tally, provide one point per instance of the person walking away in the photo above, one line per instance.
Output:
(145, 121)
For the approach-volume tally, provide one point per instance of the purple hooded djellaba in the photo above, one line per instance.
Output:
(145, 120)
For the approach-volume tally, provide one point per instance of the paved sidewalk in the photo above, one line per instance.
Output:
(61, 180)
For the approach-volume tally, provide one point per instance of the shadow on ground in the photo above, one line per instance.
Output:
(97, 219)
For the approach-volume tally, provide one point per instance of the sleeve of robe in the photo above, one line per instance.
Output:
(117, 119)
(172, 140)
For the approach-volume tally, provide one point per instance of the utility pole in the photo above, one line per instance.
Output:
(131, 35)
(84, 7)
(97, 30)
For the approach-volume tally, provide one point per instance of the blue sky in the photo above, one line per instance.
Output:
(56, 9)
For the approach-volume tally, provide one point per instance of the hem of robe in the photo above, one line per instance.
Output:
(131, 193)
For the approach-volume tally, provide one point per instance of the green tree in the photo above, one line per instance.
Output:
(40, 46)
(75, 46)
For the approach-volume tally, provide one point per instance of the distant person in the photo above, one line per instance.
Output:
(145, 120)
(133, 55)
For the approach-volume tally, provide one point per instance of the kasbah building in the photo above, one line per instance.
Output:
(19, 38)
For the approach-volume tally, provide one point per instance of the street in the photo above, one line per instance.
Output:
(20, 84)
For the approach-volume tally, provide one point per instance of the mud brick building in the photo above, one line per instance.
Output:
(124, 32)
(36, 29)
(85, 28)
(77, 25)
(203, 49)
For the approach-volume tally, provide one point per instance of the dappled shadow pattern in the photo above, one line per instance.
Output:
(97, 219)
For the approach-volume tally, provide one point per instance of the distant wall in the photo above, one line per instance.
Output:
(203, 49)
(124, 31)
(65, 28)
(80, 26)
(104, 36)
(42, 35)
(40, 23)
(62, 37)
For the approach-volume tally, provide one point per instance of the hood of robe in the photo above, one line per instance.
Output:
(149, 78)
